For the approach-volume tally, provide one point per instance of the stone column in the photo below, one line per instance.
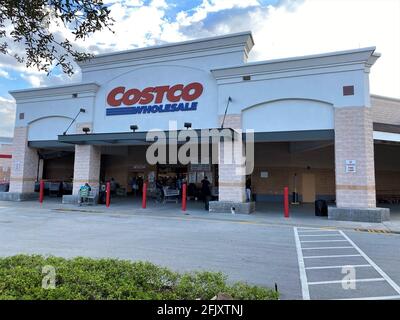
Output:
(231, 172)
(24, 167)
(232, 180)
(86, 167)
(355, 191)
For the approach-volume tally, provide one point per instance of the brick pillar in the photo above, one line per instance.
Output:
(232, 179)
(86, 167)
(24, 163)
(354, 141)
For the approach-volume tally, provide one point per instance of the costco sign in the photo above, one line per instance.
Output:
(179, 97)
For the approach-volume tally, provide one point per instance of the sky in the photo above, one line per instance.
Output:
(281, 28)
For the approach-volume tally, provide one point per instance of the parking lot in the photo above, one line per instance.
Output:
(257, 251)
(331, 265)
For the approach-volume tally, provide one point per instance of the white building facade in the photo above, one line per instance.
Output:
(315, 127)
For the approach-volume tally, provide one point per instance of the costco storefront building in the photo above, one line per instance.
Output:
(317, 129)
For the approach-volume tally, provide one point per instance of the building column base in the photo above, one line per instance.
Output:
(376, 215)
(227, 206)
(18, 196)
(74, 199)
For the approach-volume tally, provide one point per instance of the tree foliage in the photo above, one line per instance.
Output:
(30, 23)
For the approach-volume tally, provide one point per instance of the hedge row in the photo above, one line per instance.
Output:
(23, 277)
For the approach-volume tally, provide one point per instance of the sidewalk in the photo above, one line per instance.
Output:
(266, 214)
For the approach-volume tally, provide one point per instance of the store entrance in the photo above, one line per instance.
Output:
(165, 184)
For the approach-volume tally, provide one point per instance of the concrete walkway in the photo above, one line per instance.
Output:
(267, 213)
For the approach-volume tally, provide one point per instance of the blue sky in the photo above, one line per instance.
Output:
(12, 79)
(281, 28)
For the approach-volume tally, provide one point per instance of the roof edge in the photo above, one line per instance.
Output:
(52, 90)
(244, 39)
(367, 55)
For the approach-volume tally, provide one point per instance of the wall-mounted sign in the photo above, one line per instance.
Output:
(351, 166)
(137, 167)
(179, 97)
(17, 165)
(200, 167)
(264, 174)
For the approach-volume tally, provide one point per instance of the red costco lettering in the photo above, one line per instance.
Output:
(175, 93)
(112, 100)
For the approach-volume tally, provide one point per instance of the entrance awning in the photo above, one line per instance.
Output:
(295, 136)
(386, 133)
(137, 138)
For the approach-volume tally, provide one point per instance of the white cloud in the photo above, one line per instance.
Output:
(159, 4)
(4, 74)
(330, 25)
(34, 80)
(290, 28)
(295, 28)
(210, 6)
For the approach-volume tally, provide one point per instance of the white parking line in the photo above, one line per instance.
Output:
(333, 256)
(374, 298)
(305, 285)
(316, 230)
(324, 248)
(379, 270)
(323, 241)
(321, 235)
(340, 267)
(302, 270)
(349, 280)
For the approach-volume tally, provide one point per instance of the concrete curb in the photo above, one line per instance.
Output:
(379, 228)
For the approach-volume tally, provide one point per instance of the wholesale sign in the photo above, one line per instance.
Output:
(179, 97)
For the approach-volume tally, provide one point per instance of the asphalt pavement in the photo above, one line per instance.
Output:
(245, 250)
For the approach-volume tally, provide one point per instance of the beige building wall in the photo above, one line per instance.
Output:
(86, 167)
(60, 169)
(24, 163)
(122, 163)
(387, 170)
(354, 141)
(231, 173)
(281, 166)
(385, 110)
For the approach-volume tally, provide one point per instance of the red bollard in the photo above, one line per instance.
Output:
(108, 194)
(144, 198)
(286, 201)
(184, 187)
(41, 191)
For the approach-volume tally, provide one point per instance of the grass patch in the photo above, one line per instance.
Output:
(23, 276)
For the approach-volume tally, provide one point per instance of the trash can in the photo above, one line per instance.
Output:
(321, 208)
(4, 187)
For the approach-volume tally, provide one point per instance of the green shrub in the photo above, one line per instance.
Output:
(95, 279)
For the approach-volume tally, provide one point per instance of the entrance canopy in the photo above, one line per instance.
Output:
(140, 138)
(143, 137)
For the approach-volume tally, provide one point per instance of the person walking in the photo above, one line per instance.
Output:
(206, 191)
